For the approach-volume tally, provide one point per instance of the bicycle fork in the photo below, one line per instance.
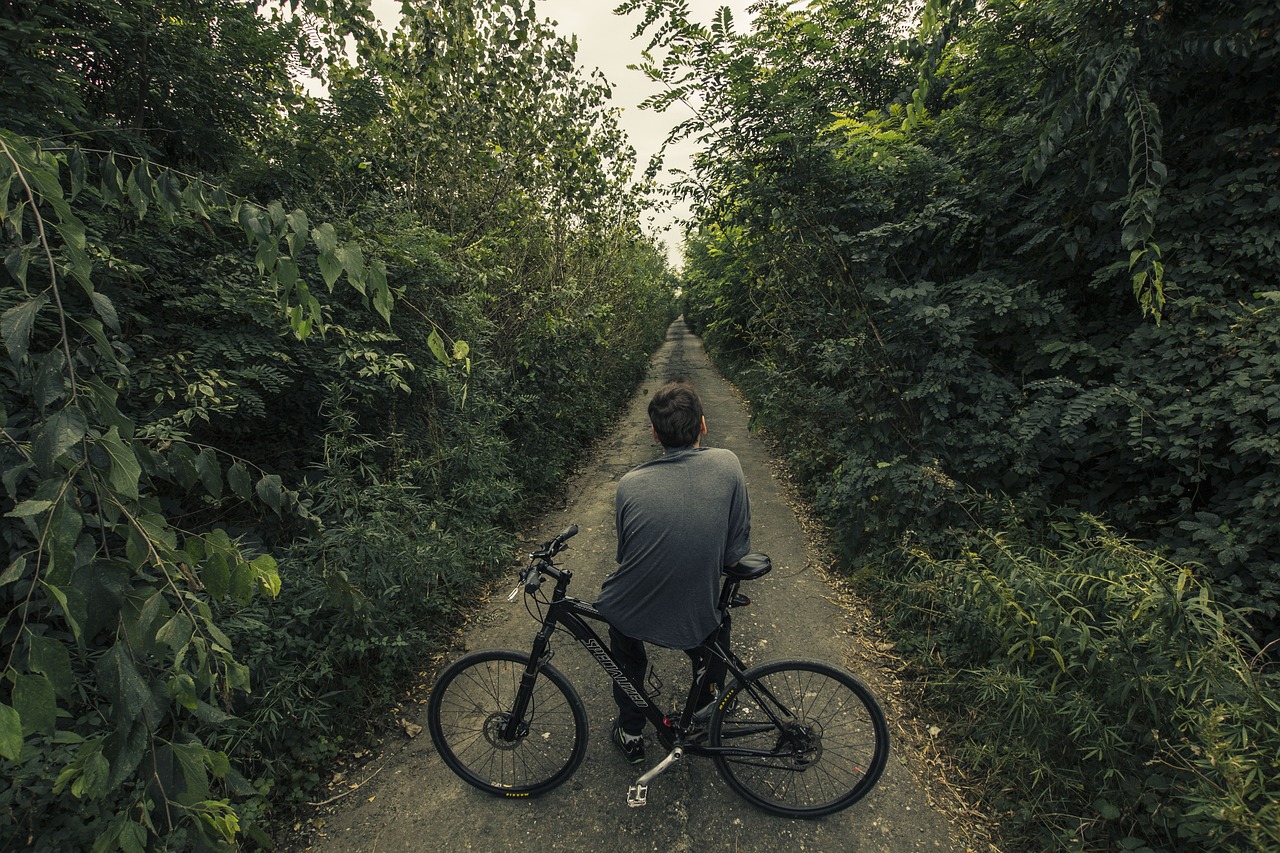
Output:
(516, 726)
(638, 794)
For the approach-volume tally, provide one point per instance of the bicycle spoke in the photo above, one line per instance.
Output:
(470, 719)
(825, 750)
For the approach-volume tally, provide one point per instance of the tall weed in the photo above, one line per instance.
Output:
(367, 598)
(1110, 700)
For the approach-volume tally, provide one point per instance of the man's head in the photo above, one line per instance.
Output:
(675, 411)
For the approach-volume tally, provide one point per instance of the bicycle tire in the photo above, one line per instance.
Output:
(469, 707)
(828, 752)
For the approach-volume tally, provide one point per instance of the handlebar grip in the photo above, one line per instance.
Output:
(569, 532)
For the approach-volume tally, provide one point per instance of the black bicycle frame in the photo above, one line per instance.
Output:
(572, 613)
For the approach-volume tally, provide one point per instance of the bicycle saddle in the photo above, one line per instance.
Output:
(750, 567)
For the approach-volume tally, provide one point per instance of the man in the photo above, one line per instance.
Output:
(680, 519)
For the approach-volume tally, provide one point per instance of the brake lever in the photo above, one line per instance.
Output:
(524, 579)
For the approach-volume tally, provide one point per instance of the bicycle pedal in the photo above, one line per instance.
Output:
(637, 795)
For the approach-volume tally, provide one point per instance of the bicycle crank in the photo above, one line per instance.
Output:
(638, 794)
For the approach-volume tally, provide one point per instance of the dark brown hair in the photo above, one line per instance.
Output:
(676, 413)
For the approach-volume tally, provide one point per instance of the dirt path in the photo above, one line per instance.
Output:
(409, 801)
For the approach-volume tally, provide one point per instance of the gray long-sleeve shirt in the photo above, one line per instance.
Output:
(680, 519)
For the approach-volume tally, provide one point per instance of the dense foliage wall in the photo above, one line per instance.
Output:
(281, 374)
(999, 268)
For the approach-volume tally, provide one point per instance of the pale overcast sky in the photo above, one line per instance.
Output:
(604, 42)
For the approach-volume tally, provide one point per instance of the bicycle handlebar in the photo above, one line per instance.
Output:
(540, 562)
(556, 545)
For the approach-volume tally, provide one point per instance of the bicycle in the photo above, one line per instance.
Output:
(796, 738)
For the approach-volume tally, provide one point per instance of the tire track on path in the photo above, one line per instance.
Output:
(416, 804)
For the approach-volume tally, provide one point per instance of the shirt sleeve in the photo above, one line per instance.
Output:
(737, 542)
(618, 501)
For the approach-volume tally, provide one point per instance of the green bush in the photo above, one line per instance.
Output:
(254, 462)
(1110, 702)
(1040, 265)
(1064, 295)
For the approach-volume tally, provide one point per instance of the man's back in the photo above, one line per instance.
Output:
(680, 518)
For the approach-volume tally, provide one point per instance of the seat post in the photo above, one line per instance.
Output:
(728, 590)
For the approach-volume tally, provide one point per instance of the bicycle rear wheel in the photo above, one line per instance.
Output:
(470, 708)
(821, 738)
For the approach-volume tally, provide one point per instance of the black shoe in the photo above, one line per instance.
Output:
(632, 750)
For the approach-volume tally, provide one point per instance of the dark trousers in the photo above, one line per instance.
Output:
(631, 657)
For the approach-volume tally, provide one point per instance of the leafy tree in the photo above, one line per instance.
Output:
(1030, 264)
(241, 492)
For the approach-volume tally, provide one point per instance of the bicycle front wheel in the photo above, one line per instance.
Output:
(813, 738)
(469, 715)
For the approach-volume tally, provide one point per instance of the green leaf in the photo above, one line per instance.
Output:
(106, 309)
(326, 239)
(16, 262)
(297, 222)
(218, 763)
(33, 699)
(68, 611)
(206, 713)
(182, 464)
(50, 381)
(125, 748)
(94, 782)
(15, 571)
(93, 326)
(239, 481)
(182, 689)
(270, 491)
(242, 578)
(137, 197)
(29, 508)
(72, 231)
(112, 180)
(330, 268)
(50, 657)
(80, 268)
(58, 435)
(7, 174)
(215, 574)
(132, 838)
(353, 262)
(1106, 809)
(10, 733)
(170, 195)
(16, 325)
(377, 285)
(194, 199)
(125, 468)
(237, 675)
(436, 345)
(286, 275)
(62, 535)
(122, 684)
(267, 256)
(219, 816)
(275, 210)
(210, 472)
(267, 574)
(176, 633)
(140, 622)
